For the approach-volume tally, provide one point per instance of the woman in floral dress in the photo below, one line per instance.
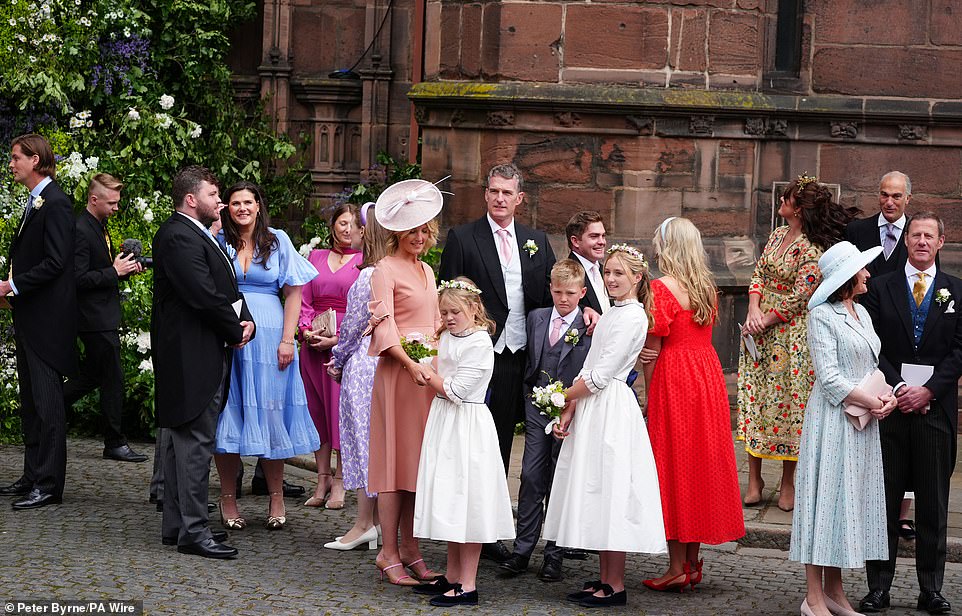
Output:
(773, 389)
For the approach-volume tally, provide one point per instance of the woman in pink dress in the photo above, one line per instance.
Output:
(404, 302)
(337, 271)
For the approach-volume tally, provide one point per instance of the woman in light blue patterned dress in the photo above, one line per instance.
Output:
(839, 519)
(354, 369)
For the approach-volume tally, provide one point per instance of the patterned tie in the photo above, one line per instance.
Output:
(556, 331)
(26, 214)
(918, 289)
(888, 246)
(107, 241)
(505, 247)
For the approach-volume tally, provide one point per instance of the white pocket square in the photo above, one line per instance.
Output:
(951, 308)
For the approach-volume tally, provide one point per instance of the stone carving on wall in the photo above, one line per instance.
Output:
(421, 114)
(763, 126)
(567, 119)
(703, 125)
(500, 118)
(457, 116)
(644, 126)
(844, 130)
(912, 132)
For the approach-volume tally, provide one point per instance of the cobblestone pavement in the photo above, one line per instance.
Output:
(103, 543)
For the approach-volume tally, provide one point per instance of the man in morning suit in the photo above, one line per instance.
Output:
(915, 311)
(198, 314)
(511, 264)
(885, 229)
(98, 275)
(586, 237)
(554, 353)
(44, 305)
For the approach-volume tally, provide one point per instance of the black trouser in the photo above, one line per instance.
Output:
(537, 471)
(100, 367)
(44, 423)
(506, 402)
(917, 450)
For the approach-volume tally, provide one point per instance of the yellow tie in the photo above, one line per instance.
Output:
(918, 289)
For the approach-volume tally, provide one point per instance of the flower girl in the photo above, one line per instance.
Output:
(462, 493)
(605, 493)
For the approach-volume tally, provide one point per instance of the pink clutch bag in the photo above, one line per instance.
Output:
(325, 323)
(873, 384)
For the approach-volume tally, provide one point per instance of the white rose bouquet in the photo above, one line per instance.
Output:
(550, 400)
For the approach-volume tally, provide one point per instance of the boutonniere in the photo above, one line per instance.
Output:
(572, 337)
(37, 203)
(531, 247)
(942, 296)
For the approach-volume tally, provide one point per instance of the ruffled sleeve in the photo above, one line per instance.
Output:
(475, 361)
(807, 278)
(295, 270)
(664, 310)
(385, 334)
(356, 319)
(626, 334)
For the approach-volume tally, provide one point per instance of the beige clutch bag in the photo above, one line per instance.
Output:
(873, 384)
(325, 323)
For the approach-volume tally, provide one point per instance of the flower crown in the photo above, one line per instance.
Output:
(630, 250)
(459, 284)
(805, 179)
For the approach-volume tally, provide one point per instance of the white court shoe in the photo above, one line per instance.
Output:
(369, 537)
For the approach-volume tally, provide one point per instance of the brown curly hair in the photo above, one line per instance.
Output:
(823, 220)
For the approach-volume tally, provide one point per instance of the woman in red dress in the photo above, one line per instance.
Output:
(689, 421)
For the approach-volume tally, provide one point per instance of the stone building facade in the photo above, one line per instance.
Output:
(639, 110)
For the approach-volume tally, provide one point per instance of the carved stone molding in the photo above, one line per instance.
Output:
(567, 119)
(913, 132)
(457, 116)
(766, 126)
(501, 118)
(421, 114)
(702, 125)
(644, 126)
(844, 130)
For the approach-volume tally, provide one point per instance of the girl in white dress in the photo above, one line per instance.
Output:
(462, 493)
(605, 493)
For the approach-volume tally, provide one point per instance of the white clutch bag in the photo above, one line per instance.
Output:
(875, 385)
(325, 323)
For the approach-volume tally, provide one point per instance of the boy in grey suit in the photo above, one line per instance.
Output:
(557, 347)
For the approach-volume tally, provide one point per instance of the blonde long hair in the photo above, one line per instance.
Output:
(682, 256)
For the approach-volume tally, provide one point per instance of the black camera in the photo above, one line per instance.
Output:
(136, 248)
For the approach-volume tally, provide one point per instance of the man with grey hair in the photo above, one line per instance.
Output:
(885, 229)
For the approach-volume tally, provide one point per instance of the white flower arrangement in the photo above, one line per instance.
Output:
(147, 365)
(531, 247)
(196, 132)
(550, 400)
(166, 102)
(942, 296)
(572, 337)
(459, 284)
(164, 120)
(38, 203)
(132, 114)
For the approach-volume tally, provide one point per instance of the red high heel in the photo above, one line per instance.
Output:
(696, 575)
(673, 584)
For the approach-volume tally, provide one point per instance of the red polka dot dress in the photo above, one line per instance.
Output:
(690, 430)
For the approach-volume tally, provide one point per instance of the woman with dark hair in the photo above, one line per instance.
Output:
(773, 386)
(337, 271)
(266, 413)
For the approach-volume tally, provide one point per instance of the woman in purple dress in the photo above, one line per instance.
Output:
(354, 369)
(337, 271)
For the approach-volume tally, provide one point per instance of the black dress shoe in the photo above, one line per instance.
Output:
(934, 603)
(515, 565)
(439, 586)
(123, 454)
(36, 499)
(874, 601)
(259, 488)
(495, 551)
(550, 570)
(574, 554)
(17, 488)
(459, 598)
(587, 590)
(208, 548)
(907, 529)
(610, 599)
(217, 535)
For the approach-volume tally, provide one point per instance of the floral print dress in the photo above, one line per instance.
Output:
(773, 390)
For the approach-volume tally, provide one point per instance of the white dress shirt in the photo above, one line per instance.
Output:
(513, 336)
(593, 270)
(911, 275)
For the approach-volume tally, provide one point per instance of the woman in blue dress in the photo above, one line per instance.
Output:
(266, 413)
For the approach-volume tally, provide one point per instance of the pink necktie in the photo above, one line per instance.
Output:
(505, 247)
(555, 331)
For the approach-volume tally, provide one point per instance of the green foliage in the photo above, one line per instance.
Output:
(138, 89)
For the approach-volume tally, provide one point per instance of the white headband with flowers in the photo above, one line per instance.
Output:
(459, 284)
(630, 250)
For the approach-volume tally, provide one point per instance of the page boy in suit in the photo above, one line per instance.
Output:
(557, 347)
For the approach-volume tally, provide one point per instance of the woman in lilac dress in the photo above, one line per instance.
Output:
(266, 413)
(354, 369)
(337, 271)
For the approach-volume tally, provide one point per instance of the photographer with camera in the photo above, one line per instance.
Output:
(98, 274)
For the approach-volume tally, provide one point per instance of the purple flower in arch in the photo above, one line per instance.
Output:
(117, 59)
